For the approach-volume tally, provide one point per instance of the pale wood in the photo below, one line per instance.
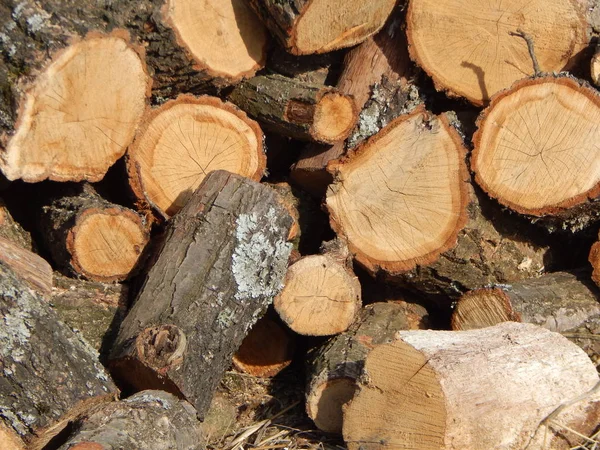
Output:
(487, 388)
(595, 69)
(28, 266)
(469, 50)
(534, 149)
(182, 141)
(400, 199)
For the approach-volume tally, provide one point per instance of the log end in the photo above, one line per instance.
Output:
(482, 308)
(335, 117)
(324, 403)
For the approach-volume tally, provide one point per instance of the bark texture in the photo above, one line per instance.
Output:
(12, 230)
(222, 262)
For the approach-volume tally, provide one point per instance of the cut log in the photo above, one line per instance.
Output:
(488, 388)
(296, 109)
(185, 139)
(49, 374)
(78, 115)
(400, 199)
(222, 262)
(535, 151)
(334, 368)
(321, 295)
(594, 259)
(146, 420)
(557, 301)
(27, 266)
(479, 52)
(267, 350)
(11, 230)
(91, 237)
(320, 26)
(380, 59)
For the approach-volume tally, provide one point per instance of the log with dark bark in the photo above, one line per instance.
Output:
(334, 368)
(305, 27)
(49, 374)
(222, 261)
(296, 109)
(28, 266)
(91, 237)
(487, 388)
(146, 420)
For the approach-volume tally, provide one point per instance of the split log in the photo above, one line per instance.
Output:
(91, 237)
(487, 388)
(557, 301)
(49, 374)
(534, 151)
(27, 266)
(222, 262)
(400, 199)
(266, 350)
(11, 230)
(182, 141)
(481, 51)
(146, 420)
(334, 368)
(299, 110)
(304, 27)
(321, 295)
(382, 59)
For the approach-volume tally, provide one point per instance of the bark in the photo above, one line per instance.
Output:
(311, 69)
(148, 419)
(28, 266)
(222, 262)
(49, 373)
(12, 230)
(487, 388)
(296, 109)
(334, 368)
(88, 236)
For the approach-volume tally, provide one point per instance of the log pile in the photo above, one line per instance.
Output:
(397, 200)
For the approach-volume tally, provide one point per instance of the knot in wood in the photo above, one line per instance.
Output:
(161, 347)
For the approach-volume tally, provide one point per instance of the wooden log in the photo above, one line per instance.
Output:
(311, 69)
(182, 141)
(400, 199)
(93, 238)
(49, 374)
(382, 58)
(267, 349)
(595, 68)
(27, 266)
(484, 49)
(557, 301)
(222, 262)
(11, 230)
(334, 368)
(296, 109)
(533, 151)
(487, 388)
(594, 260)
(304, 27)
(148, 419)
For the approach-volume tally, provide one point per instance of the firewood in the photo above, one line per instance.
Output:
(49, 374)
(11, 230)
(91, 237)
(482, 51)
(78, 114)
(28, 266)
(334, 368)
(557, 301)
(382, 58)
(311, 69)
(595, 69)
(400, 199)
(266, 350)
(304, 27)
(182, 141)
(534, 151)
(594, 259)
(146, 420)
(321, 295)
(222, 261)
(487, 388)
(296, 109)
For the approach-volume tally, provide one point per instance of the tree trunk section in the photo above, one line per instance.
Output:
(222, 261)
(27, 266)
(50, 374)
(146, 420)
(487, 388)
(334, 368)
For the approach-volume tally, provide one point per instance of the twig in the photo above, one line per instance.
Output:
(520, 33)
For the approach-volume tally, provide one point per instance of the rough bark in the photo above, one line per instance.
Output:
(91, 237)
(334, 368)
(49, 373)
(12, 230)
(146, 420)
(311, 69)
(222, 261)
(305, 27)
(28, 266)
(487, 388)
